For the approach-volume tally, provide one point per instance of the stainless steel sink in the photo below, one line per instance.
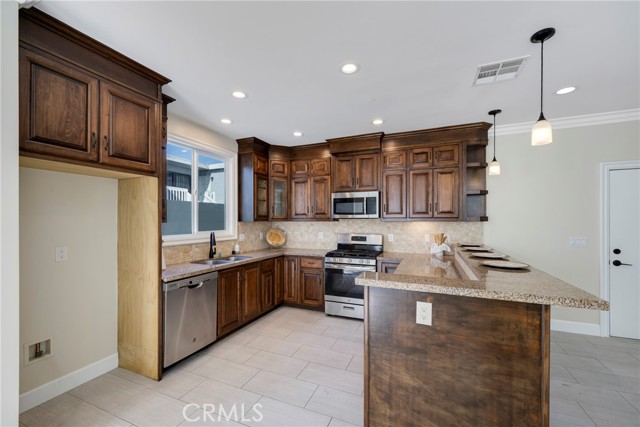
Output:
(236, 258)
(212, 262)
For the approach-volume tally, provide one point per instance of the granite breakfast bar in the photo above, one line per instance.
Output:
(483, 361)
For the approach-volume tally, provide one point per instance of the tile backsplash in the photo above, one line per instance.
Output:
(186, 253)
(407, 236)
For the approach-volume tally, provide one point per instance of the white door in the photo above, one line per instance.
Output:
(624, 253)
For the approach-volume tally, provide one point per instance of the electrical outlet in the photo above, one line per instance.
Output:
(261, 235)
(390, 237)
(577, 242)
(62, 253)
(423, 313)
(320, 235)
(427, 238)
(241, 237)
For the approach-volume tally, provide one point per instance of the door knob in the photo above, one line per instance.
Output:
(618, 263)
(617, 251)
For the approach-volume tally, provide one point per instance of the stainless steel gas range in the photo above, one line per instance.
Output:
(356, 253)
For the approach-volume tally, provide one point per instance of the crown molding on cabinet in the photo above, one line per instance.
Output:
(575, 121)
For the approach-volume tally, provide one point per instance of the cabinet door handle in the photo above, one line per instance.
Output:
(357, 181)
(384, 208)
(429, 207)
(106, 143)
(94, 140)
(435, 207)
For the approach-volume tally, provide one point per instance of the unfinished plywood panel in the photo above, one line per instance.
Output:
(50, 165)
(139, 292)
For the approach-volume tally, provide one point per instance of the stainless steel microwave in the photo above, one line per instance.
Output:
(357, 204)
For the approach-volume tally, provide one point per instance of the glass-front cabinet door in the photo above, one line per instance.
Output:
(279, 198)
(261, 202)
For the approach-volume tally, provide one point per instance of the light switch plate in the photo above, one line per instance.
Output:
(261, 235)
(390, 237)
(577, 242)
(424, 314)
(62, 253)
(320, 235)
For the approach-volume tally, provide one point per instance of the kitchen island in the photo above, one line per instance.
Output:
(483, 361)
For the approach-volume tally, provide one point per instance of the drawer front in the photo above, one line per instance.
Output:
(311, 263)
(268, 265)
(394, 159)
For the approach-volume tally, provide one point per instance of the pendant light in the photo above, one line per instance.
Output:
(541, 133)
(494, 166)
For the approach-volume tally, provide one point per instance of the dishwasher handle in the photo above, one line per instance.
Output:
(195, 282)
(199, 285)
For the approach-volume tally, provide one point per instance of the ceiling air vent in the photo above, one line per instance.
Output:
(497, 71)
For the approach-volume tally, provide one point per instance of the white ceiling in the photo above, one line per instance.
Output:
(417, 60)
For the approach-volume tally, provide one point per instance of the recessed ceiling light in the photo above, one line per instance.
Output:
(565, 90)
(350, 68)
(297, 133)
(239, 95)
(377, 122)
(226, 121)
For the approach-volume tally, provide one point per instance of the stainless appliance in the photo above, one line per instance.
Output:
(359, 204)
(356, 253)
(190, 314)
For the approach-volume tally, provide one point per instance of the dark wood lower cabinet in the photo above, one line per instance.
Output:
(481, 362)
(290, 279)
(312, 287)
(388, 266)
(251, 292)
(229, 296)
(279, 280)
(267, 282)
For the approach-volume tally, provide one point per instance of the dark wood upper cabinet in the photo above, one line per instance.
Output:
(229, 298)
(421, 157)
(300, 198)
(394, 194)
(279, 168)
(82, 102)
(253, 180)
(446, 190)
(421, 193)
(299, 168)
(446, 155)
(320, 167)
(394, 159)
(70, 130)
(344, 173)
(130, 135)
(279, 194)
(320, 197)
(356, 173)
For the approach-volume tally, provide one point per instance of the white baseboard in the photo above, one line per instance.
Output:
(66, 382)
(575, 327)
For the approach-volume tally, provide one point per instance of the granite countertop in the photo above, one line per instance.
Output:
(461, 274)
(188, 269)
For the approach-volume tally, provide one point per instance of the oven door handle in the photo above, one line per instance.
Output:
(350, 268)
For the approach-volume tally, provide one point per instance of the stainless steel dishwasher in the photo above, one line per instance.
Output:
(190, 315)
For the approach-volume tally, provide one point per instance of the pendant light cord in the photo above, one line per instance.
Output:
(494, 137)
(541, 75)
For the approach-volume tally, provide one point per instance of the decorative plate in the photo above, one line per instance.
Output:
(275, 237)
(490, 255)
(478, 249)
(505, 264)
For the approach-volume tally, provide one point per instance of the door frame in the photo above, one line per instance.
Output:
(605, 168)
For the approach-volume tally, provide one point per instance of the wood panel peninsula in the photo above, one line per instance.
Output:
(484, 360)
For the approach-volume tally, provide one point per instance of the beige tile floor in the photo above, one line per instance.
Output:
(302, 368)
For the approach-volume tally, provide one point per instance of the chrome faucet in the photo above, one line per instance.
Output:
(212, 245)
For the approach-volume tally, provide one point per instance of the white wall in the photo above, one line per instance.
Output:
(9, 284)
(550, 193)
(74, 303)
(178, 125)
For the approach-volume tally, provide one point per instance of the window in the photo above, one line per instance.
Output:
(200, 192)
